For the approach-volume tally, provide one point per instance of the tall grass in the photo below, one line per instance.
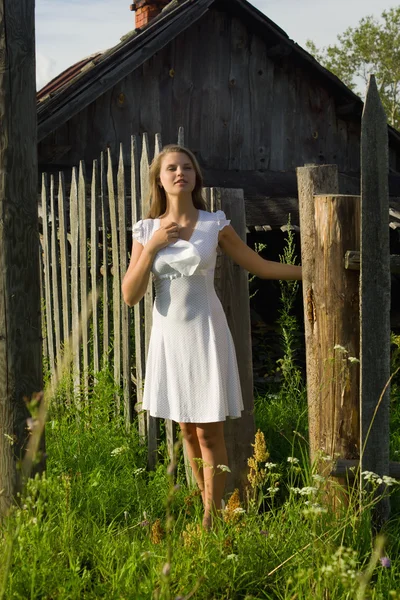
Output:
(100, 525)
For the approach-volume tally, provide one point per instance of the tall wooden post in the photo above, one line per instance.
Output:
(20, 329)
(336, 331)
(312, 180)
(233, 291)
(375, 291)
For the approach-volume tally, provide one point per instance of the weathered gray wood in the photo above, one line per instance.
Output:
(94, 264)
(140, 355)
(83, 278)
(352, 261)
(336, 331)
(64, 259)
(47, 271)
(74, 227)
(181, 136)
(116, 281)
(125, 313)
(312, 180)
(375, 298)
(231, 284)
(153, 424)
(43, 303)
(55, 269)
(104, 268)
(20, 330)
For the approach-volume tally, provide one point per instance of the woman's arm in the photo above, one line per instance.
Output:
(244, 256)
(136, 279)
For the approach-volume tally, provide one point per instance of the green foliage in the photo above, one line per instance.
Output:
(373, 46)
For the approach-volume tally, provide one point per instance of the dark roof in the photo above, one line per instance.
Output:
(64, 78)
(77, 87)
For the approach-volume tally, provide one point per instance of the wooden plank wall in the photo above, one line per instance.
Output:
(242, 106)
(86, 250)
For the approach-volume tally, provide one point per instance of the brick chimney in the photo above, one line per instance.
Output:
(146, 10)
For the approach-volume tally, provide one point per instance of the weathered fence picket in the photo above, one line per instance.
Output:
(104, 268)
(125, 313)
(375, 298)
(74, 228)
(55, 269)
(64, 258)
(94, 265)
(46, 266)
(83, 278)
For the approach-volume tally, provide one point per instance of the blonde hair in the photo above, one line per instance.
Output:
(158, 199)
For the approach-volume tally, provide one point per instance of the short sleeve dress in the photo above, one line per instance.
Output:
(191, 368)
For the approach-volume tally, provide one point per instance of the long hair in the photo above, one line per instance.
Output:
(158, 198)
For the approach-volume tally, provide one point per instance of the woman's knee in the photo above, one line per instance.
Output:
(211, 435)
(189, 432)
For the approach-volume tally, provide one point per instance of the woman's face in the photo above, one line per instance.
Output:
(177, 174)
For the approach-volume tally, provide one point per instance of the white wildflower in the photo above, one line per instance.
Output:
(389, 480)
(293, 460)
(120, 450)
(239, 510)
(232, 557)
(318, 478)
(270, 465)
(341, 348)
(353, 359)
(223, 468)
(273, 490)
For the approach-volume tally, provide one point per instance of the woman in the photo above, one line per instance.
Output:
(191, 373)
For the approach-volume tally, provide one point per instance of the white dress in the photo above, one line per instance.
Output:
(191, 369)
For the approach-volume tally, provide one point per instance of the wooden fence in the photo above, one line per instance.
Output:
(86, 238)
(347, 324)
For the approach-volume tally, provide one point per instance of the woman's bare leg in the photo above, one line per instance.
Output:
(213, 452)
(193, 451)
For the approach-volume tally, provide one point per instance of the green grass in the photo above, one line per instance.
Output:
(84, 530)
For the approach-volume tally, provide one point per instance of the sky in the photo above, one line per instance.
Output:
(69, 30)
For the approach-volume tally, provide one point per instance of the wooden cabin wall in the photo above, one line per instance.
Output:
(241, 108)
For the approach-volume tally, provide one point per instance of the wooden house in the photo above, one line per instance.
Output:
(254, 105)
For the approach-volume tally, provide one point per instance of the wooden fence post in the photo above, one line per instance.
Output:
(94, 261)
(375, 292)
(74, 286)
(20, 328)
(336, 331)
(232, 287)
(140, 356)
(312, 180)
(83, 278)
(125, 312)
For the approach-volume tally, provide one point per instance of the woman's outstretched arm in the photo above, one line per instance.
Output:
(244, 256)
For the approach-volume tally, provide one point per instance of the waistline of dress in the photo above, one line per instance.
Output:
(176, 275)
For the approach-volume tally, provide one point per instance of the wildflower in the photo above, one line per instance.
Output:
(144, 523)
(389, 480)
(293, 460)
(157, 532)
(273, 490)
(386, 562)
(231, 513)
(341, 348)
(260, 449)
(126, 515)
(224, 468)
(305, 491)
(270, 465)
(191, 535)
(120, 450)
(166, 569)
(318, 478)
(138, 471)
(353, 359)
(232, 557)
